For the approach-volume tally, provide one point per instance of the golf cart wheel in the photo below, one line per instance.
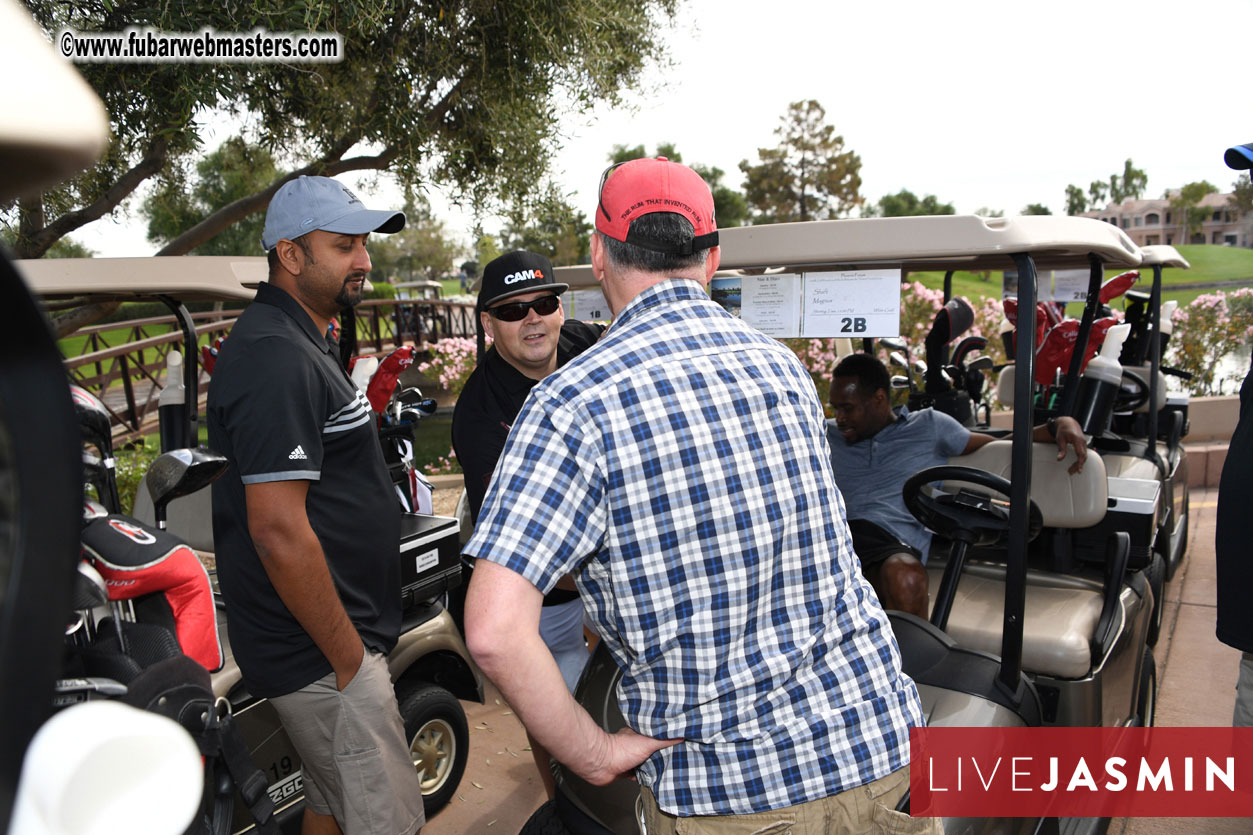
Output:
(1157, 584)
(1146, 701)
(545, 821)
(439, 740)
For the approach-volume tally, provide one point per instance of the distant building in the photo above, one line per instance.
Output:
(1149, 222)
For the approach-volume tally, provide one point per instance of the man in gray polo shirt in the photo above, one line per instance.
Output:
(874, 450)
(305, 522)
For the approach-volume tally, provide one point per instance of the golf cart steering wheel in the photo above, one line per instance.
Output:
(1133, 392)
(966, 515)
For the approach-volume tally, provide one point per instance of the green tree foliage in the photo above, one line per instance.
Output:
(1187, 205)
(1129, 186)
(546, 223)
(234, 171)
(907, 204)
(486, 249)
(1036, 209)
(1097, 190)
(422, 251)
(984, 211)
(808, 176)
(64, 248)
(1076, 200)
(730, 206)
(462, 93)
(1241, 197)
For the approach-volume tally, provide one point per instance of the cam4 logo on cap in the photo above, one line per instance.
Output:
(523, 275)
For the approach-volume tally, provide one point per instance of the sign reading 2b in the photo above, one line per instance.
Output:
(847, 303)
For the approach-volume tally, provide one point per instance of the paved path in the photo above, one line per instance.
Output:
(1196, 687)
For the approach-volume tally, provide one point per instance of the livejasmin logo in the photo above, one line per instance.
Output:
(1022, 772)
(1081, 772)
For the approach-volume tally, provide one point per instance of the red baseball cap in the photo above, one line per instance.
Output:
(639, 187)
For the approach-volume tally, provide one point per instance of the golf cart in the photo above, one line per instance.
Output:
(1140, 441)
(1016, 637)
(430, 666)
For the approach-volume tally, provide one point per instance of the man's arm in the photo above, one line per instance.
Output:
(502, 632)
(1069, 434)
(292, 557)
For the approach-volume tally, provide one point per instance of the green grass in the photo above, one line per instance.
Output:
(1208, 263)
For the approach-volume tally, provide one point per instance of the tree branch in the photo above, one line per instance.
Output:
(327, 166)
(232, 212)
(153, 161)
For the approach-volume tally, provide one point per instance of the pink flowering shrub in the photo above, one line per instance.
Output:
(448, 465)
(1214, 327)
(451, 362)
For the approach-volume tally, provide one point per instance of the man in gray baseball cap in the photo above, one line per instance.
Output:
(306, 525)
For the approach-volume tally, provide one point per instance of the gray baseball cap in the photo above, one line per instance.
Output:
(308, 203)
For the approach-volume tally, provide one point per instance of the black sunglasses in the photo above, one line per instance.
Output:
(516, 311)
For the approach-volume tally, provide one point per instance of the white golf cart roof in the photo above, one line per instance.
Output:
(941, 242)
(1163, 254)
(54, 125)
(184, 277)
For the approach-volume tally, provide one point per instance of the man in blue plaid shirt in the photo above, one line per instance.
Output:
(679, 469)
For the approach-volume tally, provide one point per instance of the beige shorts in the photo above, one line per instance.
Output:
(869, 808)
(354, 755)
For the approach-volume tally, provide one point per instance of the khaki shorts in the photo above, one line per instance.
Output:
(354, 755)
(869, 808)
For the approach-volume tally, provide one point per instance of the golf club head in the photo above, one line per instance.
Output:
(920, 367)
(892, 343)
(411, 398)
(900, 381)
(980, 364)
(181, 472)
(897, 359)
(93, 420)
(970, 343)
(89, 588)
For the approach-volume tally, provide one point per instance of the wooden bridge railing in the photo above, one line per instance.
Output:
(123, 363)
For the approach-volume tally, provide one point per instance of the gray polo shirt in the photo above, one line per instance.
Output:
(281, 408)
(871, 472)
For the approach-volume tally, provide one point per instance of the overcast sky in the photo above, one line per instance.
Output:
(983, 104)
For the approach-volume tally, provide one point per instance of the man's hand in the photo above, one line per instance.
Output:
(621, 754)
(1070, 434)
(502, 633)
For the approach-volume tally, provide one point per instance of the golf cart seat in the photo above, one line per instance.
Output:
(1005, 386)
(957, 682)
(1063, 612)
(1131, 465)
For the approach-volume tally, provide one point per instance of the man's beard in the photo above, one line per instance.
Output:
(348, 297)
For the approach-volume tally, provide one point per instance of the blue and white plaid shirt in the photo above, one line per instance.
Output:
(680, 468)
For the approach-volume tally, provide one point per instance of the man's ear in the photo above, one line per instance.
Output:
(287, 257)
(598, 257)
(711, 263)
(486, 320)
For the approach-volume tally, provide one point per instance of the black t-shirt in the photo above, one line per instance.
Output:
(489, 403)
(1233, 531)
(281, 408)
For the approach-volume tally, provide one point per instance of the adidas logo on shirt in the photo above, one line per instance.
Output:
(298, 454)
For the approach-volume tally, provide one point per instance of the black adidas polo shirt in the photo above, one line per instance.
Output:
(281, 408)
